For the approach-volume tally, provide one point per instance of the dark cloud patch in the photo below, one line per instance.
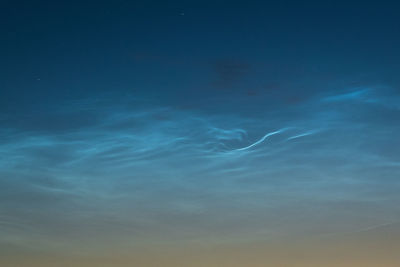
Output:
(230, 73)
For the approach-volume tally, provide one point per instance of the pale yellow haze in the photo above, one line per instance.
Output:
(378, 247)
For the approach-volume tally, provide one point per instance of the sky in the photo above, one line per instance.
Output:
(199, 133)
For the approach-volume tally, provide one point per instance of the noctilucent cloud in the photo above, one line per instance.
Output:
(199, 133)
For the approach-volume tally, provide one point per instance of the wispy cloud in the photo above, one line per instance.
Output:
(146, 173)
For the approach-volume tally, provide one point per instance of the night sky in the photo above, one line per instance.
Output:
(199, 133)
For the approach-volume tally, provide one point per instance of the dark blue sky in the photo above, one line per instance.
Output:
(130, 124)
(79, 49)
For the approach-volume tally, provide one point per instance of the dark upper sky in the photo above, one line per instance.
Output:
(78, 49)
(216, 122)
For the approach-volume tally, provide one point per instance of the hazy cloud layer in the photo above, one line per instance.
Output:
(135, 171)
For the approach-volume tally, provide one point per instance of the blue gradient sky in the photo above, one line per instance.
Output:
(128, 125)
